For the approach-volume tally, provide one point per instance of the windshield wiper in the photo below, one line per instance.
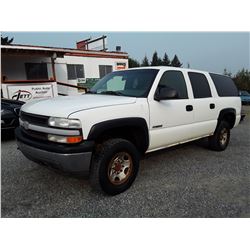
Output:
(90, 92)
(110, 92)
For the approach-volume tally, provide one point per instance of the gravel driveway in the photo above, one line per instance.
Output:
(184, 181)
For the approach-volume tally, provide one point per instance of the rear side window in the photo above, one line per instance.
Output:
(200, 85)
(224, 85)
(174, 80)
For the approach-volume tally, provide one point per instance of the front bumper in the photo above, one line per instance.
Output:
(9, 122)
(75, 159)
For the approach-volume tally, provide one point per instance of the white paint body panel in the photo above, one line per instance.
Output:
(63, 106)
(168, 121)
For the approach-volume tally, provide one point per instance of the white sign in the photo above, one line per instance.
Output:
(97, 45)
(29, 91)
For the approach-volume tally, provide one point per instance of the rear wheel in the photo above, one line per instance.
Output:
(114, 166)
(219, 141)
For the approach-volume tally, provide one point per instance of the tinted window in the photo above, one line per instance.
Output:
(75, 71)
(174, 80)
(104, 70)
(224, 85)
(200, 85)
(36, 71)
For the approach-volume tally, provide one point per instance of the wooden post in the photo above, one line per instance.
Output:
(53, 68)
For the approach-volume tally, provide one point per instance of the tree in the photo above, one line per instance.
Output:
(132, 63)
(226, 73)
(6, 40)
(145, 62)
(159, 62)
(175, 62)
(155, 59)
(242, 80)
(165, 60)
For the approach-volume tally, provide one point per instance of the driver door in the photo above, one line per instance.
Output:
(171, 120)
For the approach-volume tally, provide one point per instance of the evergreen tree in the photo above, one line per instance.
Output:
(226, 73)
(160, 62)
(242, 80)
(165, 60)
(145, 62)
(175, 62)
(6, 40)
(155, 59)
(132, 63)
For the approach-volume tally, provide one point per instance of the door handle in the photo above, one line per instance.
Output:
(189, 108)
(212, 105)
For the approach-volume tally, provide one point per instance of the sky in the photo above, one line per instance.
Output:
(209, 51)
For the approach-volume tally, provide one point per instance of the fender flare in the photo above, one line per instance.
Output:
(137, 122)
(224, 112)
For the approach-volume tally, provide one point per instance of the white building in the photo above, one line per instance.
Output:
(56, 70)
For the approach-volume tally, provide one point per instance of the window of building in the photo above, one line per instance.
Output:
(75, 71)
(175, 80)
(224, 85)
(36, 71)
(104, 70)
(200, 85)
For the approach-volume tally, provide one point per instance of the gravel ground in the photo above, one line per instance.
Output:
(184, 181)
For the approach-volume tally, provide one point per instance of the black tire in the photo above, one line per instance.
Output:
(219, 141)
(113, 154)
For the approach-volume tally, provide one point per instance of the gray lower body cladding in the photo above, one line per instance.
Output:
(74, 161)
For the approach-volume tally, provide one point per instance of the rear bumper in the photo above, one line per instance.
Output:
(75, 159)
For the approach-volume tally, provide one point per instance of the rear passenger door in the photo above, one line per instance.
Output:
(205, 108)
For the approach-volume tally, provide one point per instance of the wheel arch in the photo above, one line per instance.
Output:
(229, 115)
(134, 129)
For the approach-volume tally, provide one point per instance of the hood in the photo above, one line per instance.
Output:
(63, 106)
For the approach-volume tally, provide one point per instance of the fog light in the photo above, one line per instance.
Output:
(65, 139)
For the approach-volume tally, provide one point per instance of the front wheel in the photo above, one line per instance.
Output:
(114, 166)
(221, 137)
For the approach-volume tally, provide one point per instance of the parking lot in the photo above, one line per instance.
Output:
(184, 181)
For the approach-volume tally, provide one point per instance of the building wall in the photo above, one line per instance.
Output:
(91, 69)
(14, 68)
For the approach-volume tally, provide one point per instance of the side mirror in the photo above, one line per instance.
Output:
(164, 93)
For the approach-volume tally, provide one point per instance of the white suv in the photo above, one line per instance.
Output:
(126, 114)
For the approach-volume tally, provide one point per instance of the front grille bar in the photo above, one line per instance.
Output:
(34, 119)
(48, 130)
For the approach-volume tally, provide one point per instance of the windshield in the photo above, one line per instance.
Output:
(135, 83)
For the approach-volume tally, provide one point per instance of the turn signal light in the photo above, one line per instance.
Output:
(74, 139)
(65, 139)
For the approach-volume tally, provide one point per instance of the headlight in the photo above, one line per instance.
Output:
(64, 122)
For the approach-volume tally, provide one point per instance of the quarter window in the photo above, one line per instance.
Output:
(224, 85)
(75, 71)
(200, 85)
(174, 80)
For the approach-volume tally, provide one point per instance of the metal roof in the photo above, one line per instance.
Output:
(68, 51)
